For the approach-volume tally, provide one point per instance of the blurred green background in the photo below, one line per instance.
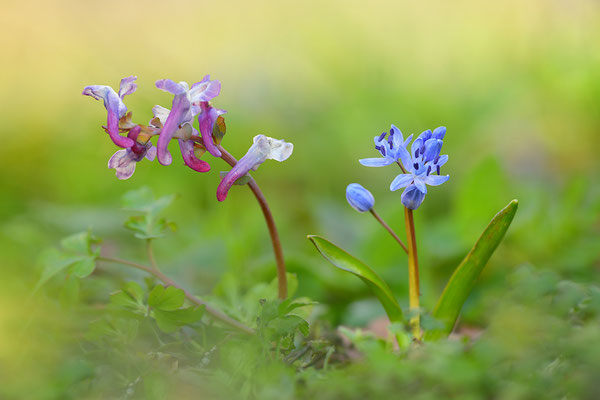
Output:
(517, 83)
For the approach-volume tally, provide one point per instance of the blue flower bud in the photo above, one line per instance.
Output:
(432, 149)
(359, 198)
(439, 132)
(412, 197)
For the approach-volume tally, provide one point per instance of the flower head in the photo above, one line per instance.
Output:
(125, 160)
(419, 165)
(359, 198)
(390, 148)
(264, 148)
(186, 105)
(113, 103)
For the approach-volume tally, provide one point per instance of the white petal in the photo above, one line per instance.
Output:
(161, 113)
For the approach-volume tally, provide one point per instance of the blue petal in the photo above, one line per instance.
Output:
(401, 181)
(432, 149)
(420, 184)
(402, 154)
(407, 141)
(376, 162)
(412, 197)
(439, 132)
(442, 160)
(435, 180)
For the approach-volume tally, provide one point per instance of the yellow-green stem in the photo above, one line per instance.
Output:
(413, 273)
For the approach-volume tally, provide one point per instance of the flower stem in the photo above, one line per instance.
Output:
(387, 227)
(281, 273)
(169, 282)
(150, 251)
(413, 272)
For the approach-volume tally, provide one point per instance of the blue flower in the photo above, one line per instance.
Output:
(390, 148)
(420, 165)
(359, 198)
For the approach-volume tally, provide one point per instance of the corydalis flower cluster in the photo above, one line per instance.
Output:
(421, 166)
(189, 103)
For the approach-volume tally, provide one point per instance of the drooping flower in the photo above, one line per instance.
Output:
(206, 120)
(264, 148)
(125, 160)
(359, 198)
(186, 105)
(186, 136)
(389, 148)
(423, 161)
(114, 105)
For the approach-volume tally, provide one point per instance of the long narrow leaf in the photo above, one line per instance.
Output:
(344, 261)
(464, 277)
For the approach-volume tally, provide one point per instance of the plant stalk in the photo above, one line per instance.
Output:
(413, 272)
(264, 206)
(387, 227)
(169, 282)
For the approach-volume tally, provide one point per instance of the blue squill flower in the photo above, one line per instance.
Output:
(420, 164)
(359, 198)
(390, 148)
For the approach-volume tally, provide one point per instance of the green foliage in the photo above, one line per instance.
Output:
(148, 225)
(346, 262)
(166, 303)
(76, 257)
(463, 280)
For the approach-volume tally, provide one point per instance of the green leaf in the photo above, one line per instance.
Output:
(464, 277)
(79, 243)
(166, 299)
(142, 200)
(54, 262)
(170, 321)
(84, 267)
(343, 260)
(148, 227)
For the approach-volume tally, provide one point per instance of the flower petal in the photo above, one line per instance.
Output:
(205, 90)
(278, 150)
(127, 86)
(436, 180)
(206, 122)
(125, 172)
(439, 132)
(181, 106)
(151, 153)
(401, 181)
(442, 160)
(432, 149)
(405, 157)
(420, 184)
(190, 159)
(170, 86)
(376, 162)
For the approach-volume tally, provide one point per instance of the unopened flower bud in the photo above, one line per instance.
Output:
(359, 198)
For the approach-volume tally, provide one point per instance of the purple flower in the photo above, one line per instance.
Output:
(264, 148)
(125, 160)
(186, 136)
(390, 148)
(206, 121)
(186, 105)
(359, 198)
(113, 103)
